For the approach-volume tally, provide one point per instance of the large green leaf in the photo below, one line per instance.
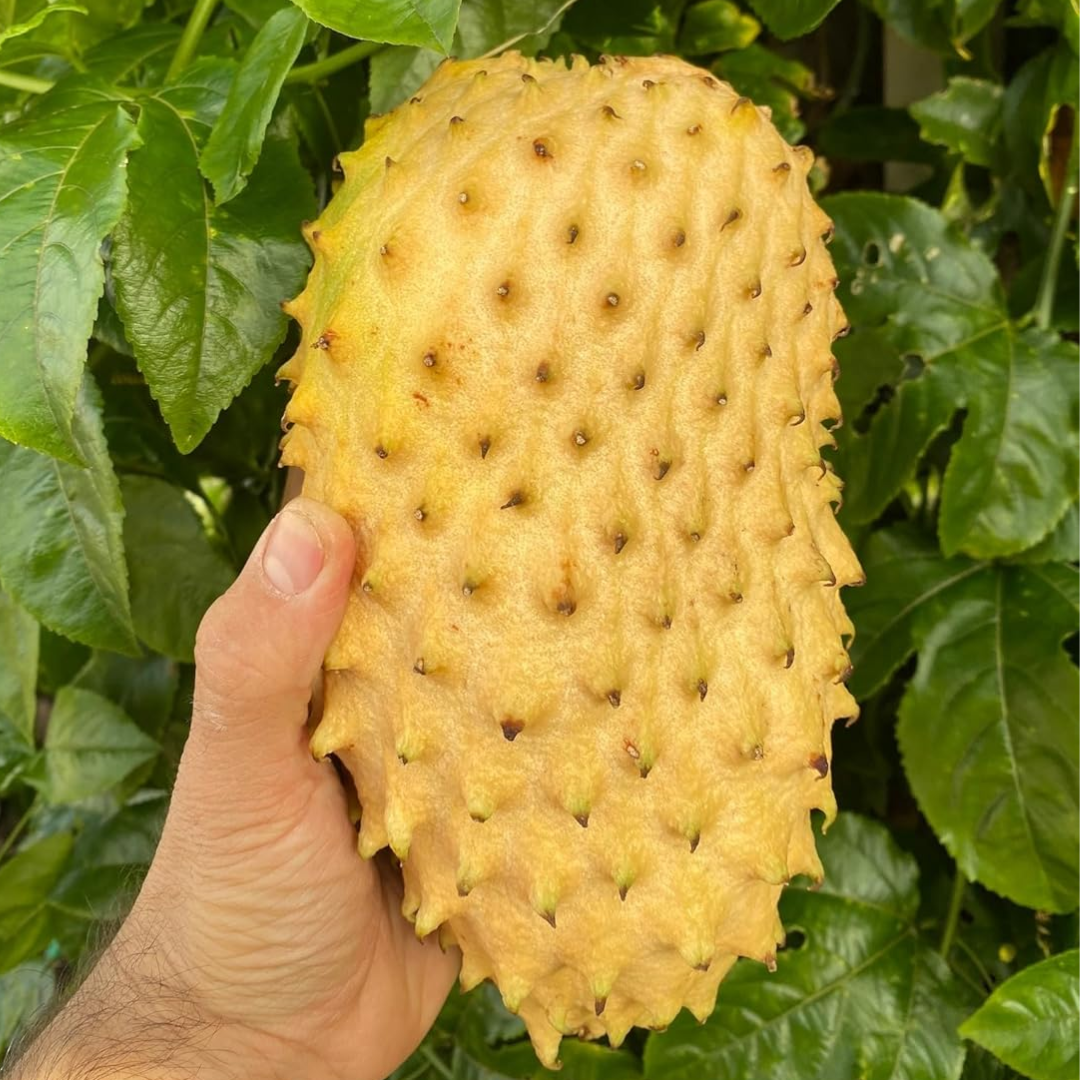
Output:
(1030, 1021)
(237, 136)
(904, 572)
(937, 300)
(792, 18)
(941, 25)
(428, 23)
(198, 287)
(62, 187)
(987, 730)
(175, 572)
(874, 133)
(25, 884)
(23, 991)
(856, 996)
(18, 672)
(135, 55)
(965, 117)
(90, 746)
(61, 547)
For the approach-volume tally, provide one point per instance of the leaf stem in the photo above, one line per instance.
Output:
(30, 83)
(333, 63)
(952, 921)
(435, 1061)
(1044, 302)
(16, 830)
(189, 40)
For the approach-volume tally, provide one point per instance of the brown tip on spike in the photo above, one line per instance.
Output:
(638, 166)
(527, 78)
(758, 752)
(469, 587)
(390, 162)
(548, 917)
(735, 597)
(820, 764)
(420, 513)
(540, 149)
(620, 541)
(420, 667)
(384, 250)
(543, 372)
(740, 103)
(699, 340)
(572, 234)
(638, 382)
(770, 962)
(789, 657)
(754, 291)
(842, 332)
(703, 966)
(455, 120)
(463, 197)
(623, 890)
(324, 340)
(612, 299)
(463, 890)
(721, 399)
(415, 100)
(609, 112)
(511, 728)
(806, 310)
(665, 622)
(846, 674)
(503, 290)
(797, 257)
(694, 841)
(633, 751)
(580, 438)
(644, 770)
(766, 351)
(694, 129)
(702, 689)
(858, 583)
(566, 606)
(614, 698)
(710, 82)
(599, 1006)
(647, 84)
(516, 499)
(366, 586)
(797, 418)
(828, 234)
(748, 467)
(485, 446)
(732, 217)
(403, 759)
(784, 167)
(834, 368)
(430, 359)
(662, 468)
(335, 164)
(381, 452)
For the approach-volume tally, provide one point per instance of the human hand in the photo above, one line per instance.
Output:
(260, 946)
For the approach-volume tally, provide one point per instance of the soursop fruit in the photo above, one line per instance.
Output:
(566, 369)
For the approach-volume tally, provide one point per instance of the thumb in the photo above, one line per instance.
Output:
(260, 646)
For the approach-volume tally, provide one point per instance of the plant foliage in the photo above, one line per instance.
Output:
(152, 187)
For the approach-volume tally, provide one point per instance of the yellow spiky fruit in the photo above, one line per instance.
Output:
(566, 369)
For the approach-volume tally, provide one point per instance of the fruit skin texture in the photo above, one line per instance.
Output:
(566, 368)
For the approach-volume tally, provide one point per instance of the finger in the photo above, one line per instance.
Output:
(260, 646)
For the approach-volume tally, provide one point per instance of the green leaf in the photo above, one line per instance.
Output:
(937, 300)
(145, 689)
(139, 55)
(1061, 543)
(237, 136)
(62, 187)
(11, 29)
(1013, 474)
(25, 883)
(428, 23)
(90, 746)
(633, 27)
(175, 572)
(965, 117)
(19, 634)
(987, 730)
(198, 287)
(792, 18)
(484, 25)
(855, 993)
(770, 79)
(716, 26)
(1030, 1020)
(396, 73)
(940, 25)
(256, 12)
(23, 991)
(61, 547)
(904, 572)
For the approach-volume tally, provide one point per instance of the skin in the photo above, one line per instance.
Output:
(260, 946)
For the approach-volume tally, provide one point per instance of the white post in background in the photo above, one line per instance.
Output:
(911, 73)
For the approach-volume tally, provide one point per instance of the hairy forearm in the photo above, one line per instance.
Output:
(132, 1019)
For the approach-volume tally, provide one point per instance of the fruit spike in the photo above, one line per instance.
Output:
(588, 669)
